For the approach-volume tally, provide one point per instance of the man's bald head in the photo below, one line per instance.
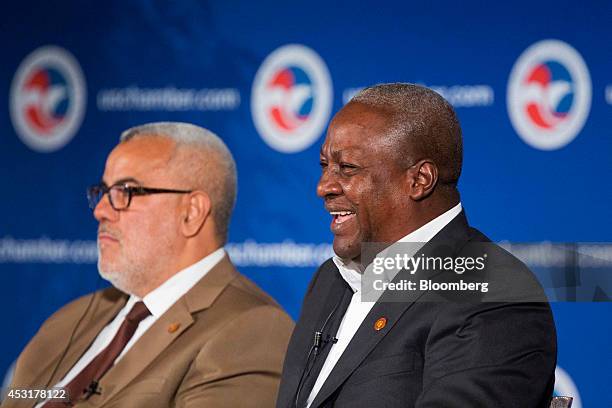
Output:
(423, 124)
(202, 160)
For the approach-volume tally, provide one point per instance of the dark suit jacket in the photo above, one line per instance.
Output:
(220, 345)
(437, 349)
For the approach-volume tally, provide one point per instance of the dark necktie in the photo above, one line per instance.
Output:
(81, 385)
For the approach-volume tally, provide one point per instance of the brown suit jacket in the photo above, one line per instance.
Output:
(220, 345)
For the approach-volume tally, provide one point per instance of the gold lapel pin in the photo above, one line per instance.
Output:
(173, 327)
(380, 323)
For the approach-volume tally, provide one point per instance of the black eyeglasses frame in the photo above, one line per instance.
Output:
(96, 192)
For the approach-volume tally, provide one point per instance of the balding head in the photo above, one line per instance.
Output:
(202, 160)
(423, 124)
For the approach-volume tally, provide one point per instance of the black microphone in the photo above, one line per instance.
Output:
(92, 389)
(317, 342)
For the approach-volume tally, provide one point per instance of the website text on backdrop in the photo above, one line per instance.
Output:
(180, 326)
(390, 165)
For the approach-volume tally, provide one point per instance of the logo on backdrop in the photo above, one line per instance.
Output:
(565, 387)
(291, 98)
(549, 94)
(48, 98)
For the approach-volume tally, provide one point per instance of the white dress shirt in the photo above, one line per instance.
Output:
(157, 301)
(358, 310)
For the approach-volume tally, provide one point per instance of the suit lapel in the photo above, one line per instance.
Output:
(174, 322)
(146, 349)
(332, 286)
(365, 340)
(451, 237)
(102, 311)
(88, 323)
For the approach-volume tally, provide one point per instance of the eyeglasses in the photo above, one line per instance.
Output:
(120, 195)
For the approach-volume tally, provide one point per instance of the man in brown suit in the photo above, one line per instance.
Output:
(181, 327)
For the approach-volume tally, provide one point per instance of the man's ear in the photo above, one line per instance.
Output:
(195, 213)
(423, 178)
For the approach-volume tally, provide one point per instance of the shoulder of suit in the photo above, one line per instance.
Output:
(242, 299)
(326, 270)
(499, 254)
(501, 263)
(327, 267)
(328, 264)
(475, 235)
(248, 292)
(77, 305)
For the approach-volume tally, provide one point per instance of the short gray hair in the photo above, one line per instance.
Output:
(216, 174)
(424, 122)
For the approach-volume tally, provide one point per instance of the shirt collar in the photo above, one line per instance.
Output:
(429, 230)
(165, 295)
(351, 271)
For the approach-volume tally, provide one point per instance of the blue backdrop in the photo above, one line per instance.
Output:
(531, 82)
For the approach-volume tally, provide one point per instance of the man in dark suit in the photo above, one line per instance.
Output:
(390, 166)
(181, 327)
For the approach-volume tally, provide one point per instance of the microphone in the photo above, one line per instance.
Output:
(92, 389)
(317, 340)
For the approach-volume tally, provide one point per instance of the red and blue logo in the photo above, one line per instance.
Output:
(291, 98)
(554, 84)
(549, 95)
(47, 99)
(48, 105)
(295, 104)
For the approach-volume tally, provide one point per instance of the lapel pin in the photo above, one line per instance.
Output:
(173, 327)
(380, 323)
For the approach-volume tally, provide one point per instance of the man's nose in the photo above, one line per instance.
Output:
(104, 210)
(328, 184)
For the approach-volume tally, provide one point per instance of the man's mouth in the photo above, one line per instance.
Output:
(343, 221)
(340, 217)
(106, 236)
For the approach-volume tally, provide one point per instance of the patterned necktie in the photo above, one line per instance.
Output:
(85, 383)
